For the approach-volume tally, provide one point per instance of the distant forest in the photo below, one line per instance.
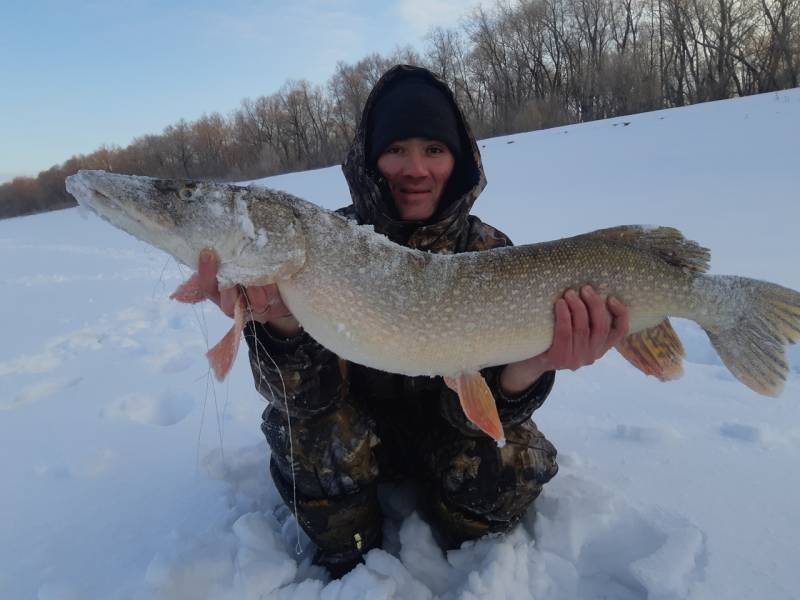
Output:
(518, 67)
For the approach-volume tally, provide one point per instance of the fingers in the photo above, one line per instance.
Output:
(207, 267)
(600, 319)
(586, 327)
(258, 303)
(256, 298)
(275, 303)
(561, 348)
(580, 329)
(228, 299)
(264, 303)
(621, 323)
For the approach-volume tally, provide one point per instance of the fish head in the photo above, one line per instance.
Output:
(254, 231)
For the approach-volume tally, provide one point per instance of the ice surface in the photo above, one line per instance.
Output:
(127, 473)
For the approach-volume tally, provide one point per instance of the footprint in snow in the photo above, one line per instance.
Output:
(741, 433)
(765, 436)
(59, 471)
(645, 435)
(31, 364)
(162, 409)
(59, 590)
(177, 356)
(104, 461)
(38, 391)
(607, 548)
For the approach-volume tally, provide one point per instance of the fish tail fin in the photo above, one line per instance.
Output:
(752, 323)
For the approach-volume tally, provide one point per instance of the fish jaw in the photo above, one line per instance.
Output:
(254, 231)
(130, 204)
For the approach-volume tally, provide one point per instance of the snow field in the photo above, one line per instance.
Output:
(127, 473)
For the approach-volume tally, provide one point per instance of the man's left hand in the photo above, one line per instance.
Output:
(586, 327)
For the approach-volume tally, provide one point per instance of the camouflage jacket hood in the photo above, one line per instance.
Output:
(371, 203)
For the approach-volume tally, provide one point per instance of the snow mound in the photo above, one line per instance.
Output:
(582, 540)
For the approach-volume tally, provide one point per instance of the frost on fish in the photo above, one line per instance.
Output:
(751, 325)
(243, 217)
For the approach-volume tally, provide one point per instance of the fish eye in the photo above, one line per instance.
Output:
(185, 193)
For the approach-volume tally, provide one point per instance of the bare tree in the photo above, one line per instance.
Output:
(521, 65)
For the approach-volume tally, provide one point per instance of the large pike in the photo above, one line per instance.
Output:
(392, 308)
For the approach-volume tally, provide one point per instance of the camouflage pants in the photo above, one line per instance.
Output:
(472, 486)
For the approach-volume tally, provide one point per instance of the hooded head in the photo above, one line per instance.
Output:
(411, 102)
(412, 107)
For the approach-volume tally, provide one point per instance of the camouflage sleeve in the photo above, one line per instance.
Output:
(516, 409)
(297, 375)
(512, 410)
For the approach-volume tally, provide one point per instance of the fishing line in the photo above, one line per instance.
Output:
(200, 319)
(213, 389)
(210, 387)
(216, 401)
(161, 276)
(225, 406)
(202, 420)
(258, 345)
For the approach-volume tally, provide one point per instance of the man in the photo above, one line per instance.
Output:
(414, 172)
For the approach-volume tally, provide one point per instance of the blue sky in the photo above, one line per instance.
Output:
(76, 75)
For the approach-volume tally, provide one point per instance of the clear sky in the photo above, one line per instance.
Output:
(78, 74)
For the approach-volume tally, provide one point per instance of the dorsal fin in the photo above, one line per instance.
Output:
(666, 242)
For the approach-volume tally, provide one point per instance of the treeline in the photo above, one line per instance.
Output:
(521, 66)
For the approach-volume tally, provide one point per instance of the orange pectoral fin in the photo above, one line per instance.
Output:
(477, 402)
(189, 291)
(656, 351)
(221, 356)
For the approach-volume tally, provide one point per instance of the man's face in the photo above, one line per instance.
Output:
(417, 171)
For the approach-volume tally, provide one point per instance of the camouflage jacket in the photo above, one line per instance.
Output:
(314, 377)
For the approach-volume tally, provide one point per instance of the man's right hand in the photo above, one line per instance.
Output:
(264, 302)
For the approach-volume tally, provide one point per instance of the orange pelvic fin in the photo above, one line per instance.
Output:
(656, 351)
(189, 291)
(221, 356)
(478, 403)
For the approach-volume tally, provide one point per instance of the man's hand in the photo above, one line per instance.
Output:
(586, 327)
(263, 303)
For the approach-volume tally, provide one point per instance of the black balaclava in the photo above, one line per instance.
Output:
(372, 202)
(413, 107)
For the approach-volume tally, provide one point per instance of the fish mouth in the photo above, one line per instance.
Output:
(83, 186)
(86, 188)
(96, 190)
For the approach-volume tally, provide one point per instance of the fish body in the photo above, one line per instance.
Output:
(401, 310)
(417, 313)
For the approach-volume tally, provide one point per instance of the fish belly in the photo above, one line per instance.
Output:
(403, 342)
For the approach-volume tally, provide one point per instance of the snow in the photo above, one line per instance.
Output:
(129, 473)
